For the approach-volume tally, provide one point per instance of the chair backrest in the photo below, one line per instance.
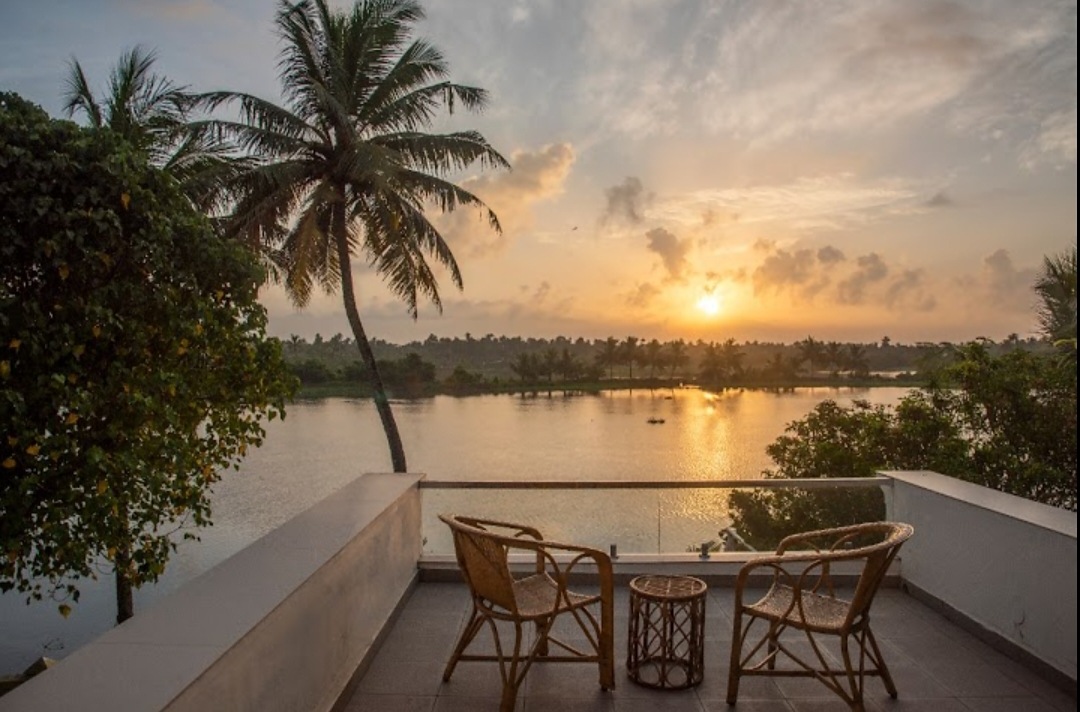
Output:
(878, 556)
(483, 561)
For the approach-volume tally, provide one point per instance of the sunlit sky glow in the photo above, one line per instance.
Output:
(847, 171)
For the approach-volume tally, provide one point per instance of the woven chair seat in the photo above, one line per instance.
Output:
(824, 614)
(538, 596)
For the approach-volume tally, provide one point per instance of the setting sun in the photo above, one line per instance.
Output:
(709, 304)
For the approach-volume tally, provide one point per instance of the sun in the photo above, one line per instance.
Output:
(709, 304)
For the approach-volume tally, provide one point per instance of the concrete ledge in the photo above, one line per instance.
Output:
(281, 625)
(1006, 563)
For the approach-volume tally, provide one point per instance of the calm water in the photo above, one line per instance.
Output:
(323, 445)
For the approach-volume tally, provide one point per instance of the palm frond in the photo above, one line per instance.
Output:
(442, 153)
(79, 97)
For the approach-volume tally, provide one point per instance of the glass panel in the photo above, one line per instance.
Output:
(655, 521)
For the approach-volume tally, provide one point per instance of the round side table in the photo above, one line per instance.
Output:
(666, 644)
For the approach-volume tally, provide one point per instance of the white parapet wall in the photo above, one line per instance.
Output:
(281, 625)
(1005, 563)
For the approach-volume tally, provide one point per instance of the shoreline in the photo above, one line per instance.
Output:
(352, 389)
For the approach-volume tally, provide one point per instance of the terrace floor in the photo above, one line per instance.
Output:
(937, 666)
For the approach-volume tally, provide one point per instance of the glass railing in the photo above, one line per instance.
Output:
(657, 518)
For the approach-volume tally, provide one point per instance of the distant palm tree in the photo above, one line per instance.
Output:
(155, 116)
(811, 351)
(347, 166)
(1056, 289)
(628, 353)
(677, 356)
(608, 355)
(833, 355)
(855, 360)
(653, 356)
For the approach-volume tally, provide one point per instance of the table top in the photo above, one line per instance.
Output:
(668, 588)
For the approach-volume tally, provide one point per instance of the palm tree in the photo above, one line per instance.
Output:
(608, 355)
(856, 361)
(629, 353)
(653, 357)
(677, 356)
(833, 355)
(155, 116)
(810, 350)
(1056, 289)
(347, 167)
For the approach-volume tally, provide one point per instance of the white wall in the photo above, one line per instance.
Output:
(282, 625)
(1006, 563)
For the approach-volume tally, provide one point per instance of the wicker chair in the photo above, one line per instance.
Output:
(540, 597)
(802, 598)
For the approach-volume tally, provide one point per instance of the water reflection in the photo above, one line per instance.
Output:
(323, 445)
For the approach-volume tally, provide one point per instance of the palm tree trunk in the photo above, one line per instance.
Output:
(382, 403)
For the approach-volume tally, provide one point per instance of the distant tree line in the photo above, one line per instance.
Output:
(462, 365)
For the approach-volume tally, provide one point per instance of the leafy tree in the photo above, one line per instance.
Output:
(347, 166)
(834, 441)
(1006, 421)
(134, 364)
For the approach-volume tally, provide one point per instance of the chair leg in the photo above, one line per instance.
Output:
(879, 661)
(467, 635)
(510, 676)
(735, 669)
(606, 644)
(855, 681)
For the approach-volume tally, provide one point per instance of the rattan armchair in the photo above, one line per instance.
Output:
(803, 599)
(539, 597)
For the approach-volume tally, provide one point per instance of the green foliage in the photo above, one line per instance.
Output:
(1018, 414)
(1006, 421)
(134, 364)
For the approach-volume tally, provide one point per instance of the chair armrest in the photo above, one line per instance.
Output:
(838, 536)
(520, 530)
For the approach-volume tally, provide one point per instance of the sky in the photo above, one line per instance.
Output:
(697, 169)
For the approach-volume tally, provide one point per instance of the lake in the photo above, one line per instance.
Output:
(324, 444)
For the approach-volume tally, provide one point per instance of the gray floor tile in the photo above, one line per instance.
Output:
(937, 666)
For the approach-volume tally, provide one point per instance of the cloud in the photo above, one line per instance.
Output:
(671, 249)
(870, 270)
(829, 255)
(907, 291)
(643, 295)
(825, 276)
(939, 200)
(625, 202)
(807, 204)
(799, 272)
(536, 176)
(1002, 284)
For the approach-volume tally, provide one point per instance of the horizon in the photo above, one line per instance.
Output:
(689, 169)
(642, 340)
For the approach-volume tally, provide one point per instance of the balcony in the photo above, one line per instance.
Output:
(351, 606)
